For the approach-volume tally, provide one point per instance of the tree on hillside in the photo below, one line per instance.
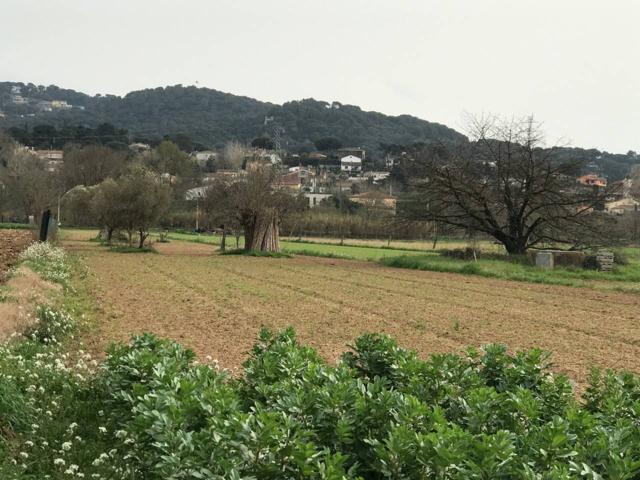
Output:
(504, 184)
(327, 143)
(263, 142)
(256, 203)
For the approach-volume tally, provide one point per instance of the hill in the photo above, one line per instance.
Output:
(212, 118)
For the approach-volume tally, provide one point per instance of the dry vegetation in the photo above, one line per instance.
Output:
(216, 305)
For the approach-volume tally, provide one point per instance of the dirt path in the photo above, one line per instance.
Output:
(216, 305)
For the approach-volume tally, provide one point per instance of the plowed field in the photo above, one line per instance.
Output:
(216, 305)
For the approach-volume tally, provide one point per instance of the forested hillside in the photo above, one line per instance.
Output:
(212, 118)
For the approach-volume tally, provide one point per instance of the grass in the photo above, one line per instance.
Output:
(331, 250)
(514, 269)
(17, 226)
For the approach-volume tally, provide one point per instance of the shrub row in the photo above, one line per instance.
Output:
(150, 411)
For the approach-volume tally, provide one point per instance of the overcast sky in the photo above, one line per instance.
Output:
(573, 64)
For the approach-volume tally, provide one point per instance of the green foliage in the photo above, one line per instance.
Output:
(213, 118)
(16, 226)
(504, 267)
(152, 412)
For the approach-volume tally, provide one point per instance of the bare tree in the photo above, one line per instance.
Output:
(255, 202)
(505, 184)
(29, 186)
(91, 164)
(234, 155)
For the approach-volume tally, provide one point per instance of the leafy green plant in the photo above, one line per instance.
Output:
(151, 411)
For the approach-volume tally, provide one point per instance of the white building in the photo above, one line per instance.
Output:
(19, 100)
(351, 164)
(195, 193)
(315, 198)
(204, 156)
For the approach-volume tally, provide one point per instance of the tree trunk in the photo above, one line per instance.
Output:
(109, 235)
(516, 246)
(223, 242)
(262, 234)
(142, 237)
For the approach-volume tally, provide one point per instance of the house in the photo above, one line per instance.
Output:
(139, 147)
(204, 156)
(315, 198)
(53, 158)
(291, 181)
(221, 175)
(620, 207)
(44, 106)
(60, 104)
(592, 180)
(376, 177)
(375, 199)
(351, 164)
(317, 156)
(354, 151)
(19, 100)
(50, 154)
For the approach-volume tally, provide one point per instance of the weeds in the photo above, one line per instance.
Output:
(48, 261)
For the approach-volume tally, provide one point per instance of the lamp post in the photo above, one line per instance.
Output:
(60, 197)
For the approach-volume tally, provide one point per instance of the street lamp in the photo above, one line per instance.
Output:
(60, 197)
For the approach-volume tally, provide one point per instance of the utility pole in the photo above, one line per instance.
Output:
(197, 214)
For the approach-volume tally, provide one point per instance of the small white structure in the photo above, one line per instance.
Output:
(351, 164)
(195, 193)
(19, 100)
(316, 198)
(203, 157)
(544, 259)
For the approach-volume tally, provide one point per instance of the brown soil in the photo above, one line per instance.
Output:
(24, 290)
(216, 305)
(12, 242)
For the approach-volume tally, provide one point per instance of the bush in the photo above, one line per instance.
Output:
(48, 261)
(51, 326)
(152, 412)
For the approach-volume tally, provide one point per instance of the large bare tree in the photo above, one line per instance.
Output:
(255, 201)
(505, 184)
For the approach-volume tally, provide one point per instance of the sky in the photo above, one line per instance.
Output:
(572, 64)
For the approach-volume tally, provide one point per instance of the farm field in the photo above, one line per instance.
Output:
(216, 305)
(624, 278)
